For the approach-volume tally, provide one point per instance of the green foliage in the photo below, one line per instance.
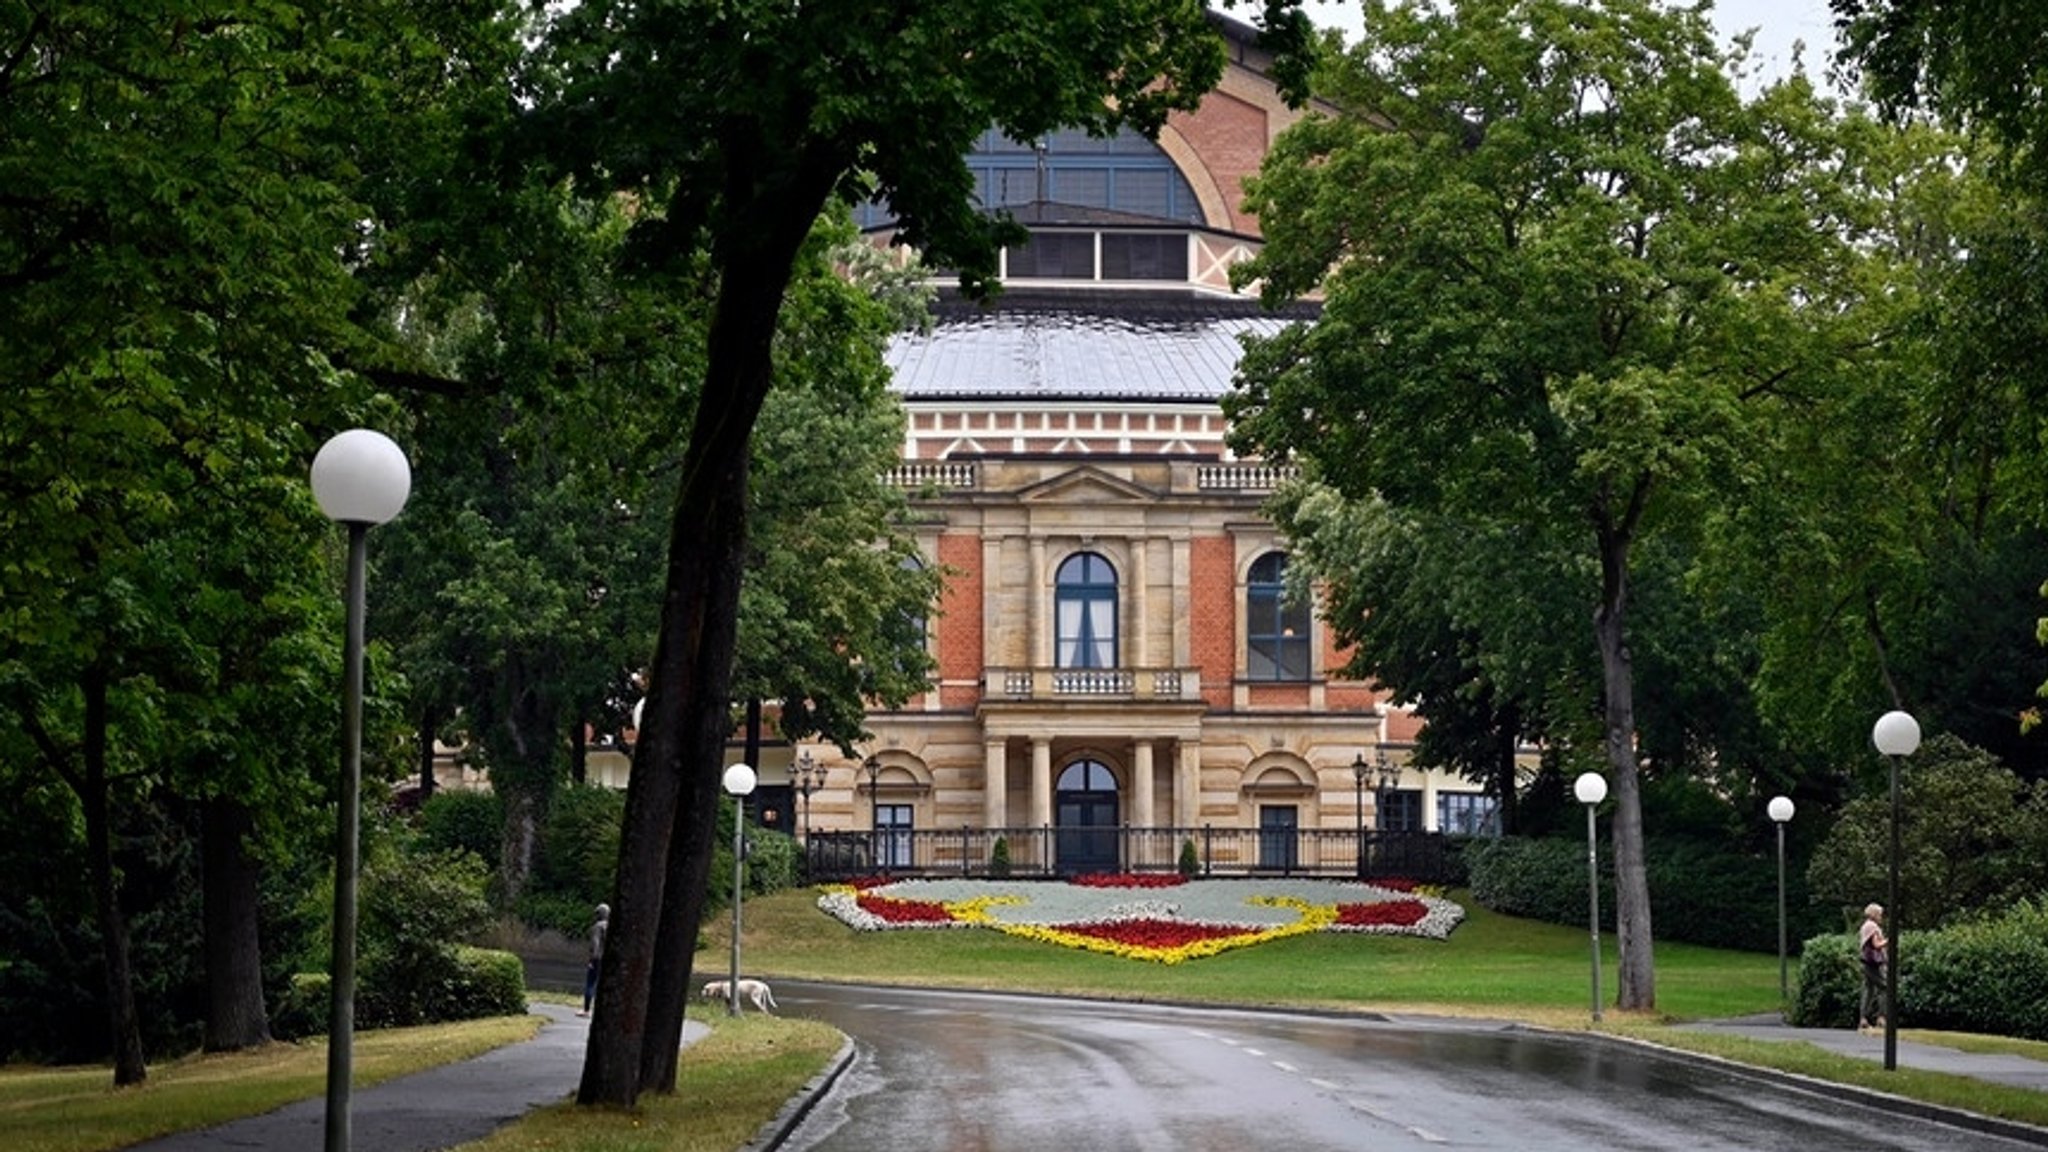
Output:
(999, 857)
(1972, 838)
(1190, 861)
(463, 820)
(1986, 975)
(414, 912)
(303, 1009)
(1698, 892)
(579, 847)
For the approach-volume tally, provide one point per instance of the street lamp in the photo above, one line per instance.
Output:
(1897, 736)
(810, 777)
(360, 478)
(739, 781)
(1591, 789)
(1359, 771)
(1383, 800)
(1780, 809)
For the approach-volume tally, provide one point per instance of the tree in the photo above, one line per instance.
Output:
(836, 100)
(1567, 272)
(183, 221)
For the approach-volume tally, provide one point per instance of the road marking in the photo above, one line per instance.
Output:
(1284, 1066)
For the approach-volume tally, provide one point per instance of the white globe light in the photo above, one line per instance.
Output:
(1780, 808)
(1896, 734)
(739, 780)
(361, 477)
(1590, 788)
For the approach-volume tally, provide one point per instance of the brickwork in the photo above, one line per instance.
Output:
(1212, 616)
(959, 621)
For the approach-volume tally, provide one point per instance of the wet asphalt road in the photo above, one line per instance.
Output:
(963, 1072)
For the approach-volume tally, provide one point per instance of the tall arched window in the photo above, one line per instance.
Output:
(1276, 627)
(1085, 613)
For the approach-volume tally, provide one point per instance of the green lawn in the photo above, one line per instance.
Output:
(1490, 965)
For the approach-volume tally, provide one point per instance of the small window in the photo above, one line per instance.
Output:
(1054, 256)
(1467, 814)
(1276, 626)
(1144, 256)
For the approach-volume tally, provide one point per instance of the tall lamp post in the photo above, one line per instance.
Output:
(809, 778)
(360, 479)
(1383, 799)
(1897, 736)
(739, 781)
(1359, 771)
(873, 767)
(1780, 809)
(1591, 789)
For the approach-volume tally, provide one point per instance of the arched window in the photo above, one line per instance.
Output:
(1276, 626)
(1084, 613)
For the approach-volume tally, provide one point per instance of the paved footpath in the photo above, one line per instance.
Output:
(439, 1108)
(2018, 1071)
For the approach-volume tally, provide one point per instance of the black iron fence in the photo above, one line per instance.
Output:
(1425, 857)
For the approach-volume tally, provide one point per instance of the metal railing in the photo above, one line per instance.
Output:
(1425, 857)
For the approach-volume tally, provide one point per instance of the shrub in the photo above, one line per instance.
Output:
(1988, 976)
(999, 857)
(579, 846)
(415, 910)
(1190, 863)
(1698, 893)
(303, 1010)
(460, 819)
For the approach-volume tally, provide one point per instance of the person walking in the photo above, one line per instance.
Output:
(1875, 949)
(598, 925)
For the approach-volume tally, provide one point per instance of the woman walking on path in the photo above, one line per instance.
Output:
(1875, 949)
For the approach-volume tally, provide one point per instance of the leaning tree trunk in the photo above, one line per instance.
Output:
(665, 844)
(124, 1026)
(786, 198)
(235, 1016)
(1636, 979)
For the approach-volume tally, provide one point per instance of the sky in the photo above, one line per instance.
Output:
(1778, 23)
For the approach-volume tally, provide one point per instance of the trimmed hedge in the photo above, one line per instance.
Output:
(1698, 893)
(480, 982)
(1987, 976)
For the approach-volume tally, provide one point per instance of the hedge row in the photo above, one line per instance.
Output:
(1698, 893)
(1988, 976)
(478, 983)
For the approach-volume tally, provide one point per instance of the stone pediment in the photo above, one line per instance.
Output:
(1085, 485)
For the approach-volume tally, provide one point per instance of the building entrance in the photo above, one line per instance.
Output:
(1085, 819)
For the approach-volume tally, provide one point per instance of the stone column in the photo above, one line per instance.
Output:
(1041, 783)
(1141, 785)
(1187, 785)
(1141, 613)
(1035, 605)
(995, 786)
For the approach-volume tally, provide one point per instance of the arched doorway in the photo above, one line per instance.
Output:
(1085, 819)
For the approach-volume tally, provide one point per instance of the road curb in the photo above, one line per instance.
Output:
(799, 1105)
(1851, 1093)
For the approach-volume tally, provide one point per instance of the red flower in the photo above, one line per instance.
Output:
(1161, 934)
(1400, 913)
(1396, 884)
(1128, 880)
(904, 911)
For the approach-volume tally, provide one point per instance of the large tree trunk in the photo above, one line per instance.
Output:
(235, 1015)
(1636, 981)
(672, 798)
(124, 1026)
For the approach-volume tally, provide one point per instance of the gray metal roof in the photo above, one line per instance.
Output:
(1091, 345)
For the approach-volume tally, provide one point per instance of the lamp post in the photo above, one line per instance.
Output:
(1780, 809)
(360, 478)
(739, 781)
(1897, 736)
(1591, 789)
(873, 767)
(809, 778)
(1359, 771)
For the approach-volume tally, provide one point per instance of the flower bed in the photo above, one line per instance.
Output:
(1182, 920)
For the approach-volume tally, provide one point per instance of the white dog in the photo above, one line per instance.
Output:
(754, 990)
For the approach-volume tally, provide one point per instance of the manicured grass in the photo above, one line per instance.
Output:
(77, 1109)
(728, 1085)
(1491, 965)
